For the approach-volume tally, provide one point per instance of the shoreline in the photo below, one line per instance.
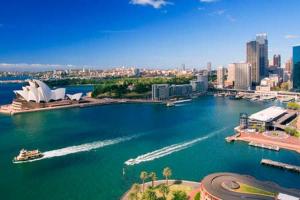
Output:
(290, 143)
(194, 185)
(7, 109)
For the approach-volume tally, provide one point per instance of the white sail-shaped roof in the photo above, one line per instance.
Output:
(38, 91)
(75, 97)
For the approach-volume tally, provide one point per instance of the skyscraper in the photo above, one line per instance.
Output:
(221, 77)
(262, 41)
(203, 79)
(208, 67)
(257, 56)
(296, 68)
(252, 58)
(242, 75)
(231, 74)
(288, 65)
(277, 60)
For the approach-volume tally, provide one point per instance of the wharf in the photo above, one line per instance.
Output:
(280, 165)
(232, 138)
(264, 146)
(7, 109)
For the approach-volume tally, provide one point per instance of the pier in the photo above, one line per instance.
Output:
(280, 165)
(232, 138)
(264, 146)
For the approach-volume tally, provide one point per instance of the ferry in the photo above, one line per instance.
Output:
(170, 104)
(182, 101)
(25, 155)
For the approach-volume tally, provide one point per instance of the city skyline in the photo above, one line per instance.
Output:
(143, 33)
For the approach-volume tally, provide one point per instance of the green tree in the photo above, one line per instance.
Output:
(132, 196)
(291, 131)
(254, 126)
(164, 189)
(179, 195)
(167, 172)
(261, 129)
(284, 86)
(197, 196)
(153, 178)
(293, 105)
(149, 195)
(143, 177)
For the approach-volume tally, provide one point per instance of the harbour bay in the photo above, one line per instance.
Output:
(97, 172)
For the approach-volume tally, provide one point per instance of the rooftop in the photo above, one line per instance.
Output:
(234, 187)
(269, 114)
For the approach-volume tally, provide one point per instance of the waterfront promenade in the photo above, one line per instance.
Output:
(289, 142)
(87, 102)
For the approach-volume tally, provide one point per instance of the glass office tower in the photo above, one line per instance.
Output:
(296, 68)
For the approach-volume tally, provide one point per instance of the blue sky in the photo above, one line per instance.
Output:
(144, 33)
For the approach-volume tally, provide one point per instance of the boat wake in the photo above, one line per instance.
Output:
(82, 148)
(169, 149)
(181, 104)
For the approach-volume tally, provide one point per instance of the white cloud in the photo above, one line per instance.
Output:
(154, 3)
(292, 36)
(218, 12)
(223, 13)
(208, 1)
(231, 18)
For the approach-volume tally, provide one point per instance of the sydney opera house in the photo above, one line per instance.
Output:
(37, 95)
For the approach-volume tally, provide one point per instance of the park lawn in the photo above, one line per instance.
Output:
(247, 189)
(175, 187)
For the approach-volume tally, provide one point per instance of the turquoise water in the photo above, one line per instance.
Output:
(93, 170)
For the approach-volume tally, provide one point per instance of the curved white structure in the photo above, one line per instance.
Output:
(75, 97)
(38, 92)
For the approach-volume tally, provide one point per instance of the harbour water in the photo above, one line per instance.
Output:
(87, 148)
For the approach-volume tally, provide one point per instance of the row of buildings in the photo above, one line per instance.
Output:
(166, 91)
(257, 68)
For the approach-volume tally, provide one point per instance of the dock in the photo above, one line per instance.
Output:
(264, 146)
(232, 138)
(280, 165)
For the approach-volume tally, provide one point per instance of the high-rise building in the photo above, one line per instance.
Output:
(257, 56)
(160, 91)
(262, 41)
(221, 77)
(180, 90)
(277, 60)
(296, 68)
(231, 74)
(289, 65)
(208, 67)
(242, 75)
(252, 58)
(204, 79)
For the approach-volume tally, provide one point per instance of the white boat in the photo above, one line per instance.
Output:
(170, 104)
(182, 101)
